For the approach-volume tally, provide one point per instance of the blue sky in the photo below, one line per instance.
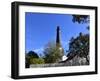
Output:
(40, 28)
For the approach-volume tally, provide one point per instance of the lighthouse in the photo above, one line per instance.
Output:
(58, 42)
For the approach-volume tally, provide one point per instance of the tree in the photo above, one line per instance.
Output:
(79, 46)
(80, 18)
(29, 56)
(52, 53)
(32, 54)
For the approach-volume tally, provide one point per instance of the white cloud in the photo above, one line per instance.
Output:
(39, 50)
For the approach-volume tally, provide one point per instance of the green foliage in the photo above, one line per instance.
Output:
(37, 61)
(29, 56)
(79, 46)
(52, 53)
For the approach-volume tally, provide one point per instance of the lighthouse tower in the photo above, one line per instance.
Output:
(58, 42)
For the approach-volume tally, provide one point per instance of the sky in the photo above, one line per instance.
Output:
(40, 28)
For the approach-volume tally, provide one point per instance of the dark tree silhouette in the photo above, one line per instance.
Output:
(79, 46)
(30, 55)
(80, 18)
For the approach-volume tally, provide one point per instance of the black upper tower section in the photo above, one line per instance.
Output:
(58, 36)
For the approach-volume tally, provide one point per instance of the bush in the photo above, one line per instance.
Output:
(37, 61)
(52, 53)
